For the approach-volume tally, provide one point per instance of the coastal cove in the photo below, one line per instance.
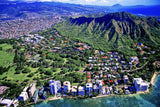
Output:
(151, 99)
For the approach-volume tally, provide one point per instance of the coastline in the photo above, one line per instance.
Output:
(100, 96)
(53, 98)
(154, 77)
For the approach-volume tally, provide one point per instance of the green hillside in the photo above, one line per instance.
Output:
(113, 31)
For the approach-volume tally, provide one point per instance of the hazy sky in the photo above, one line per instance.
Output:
(104, 2)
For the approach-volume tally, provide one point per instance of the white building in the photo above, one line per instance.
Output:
(125, 79)
(32, 90)
(15, 103)
(103, 90)
(23, 96)
(141, 85)
(66, 86)
(6, 102)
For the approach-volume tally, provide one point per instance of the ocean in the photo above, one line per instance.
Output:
(151, 99)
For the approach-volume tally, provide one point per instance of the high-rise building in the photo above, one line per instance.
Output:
(99, 83)
(67, 87)
(141, 85)
(58, 85)
(52, 87)
(74, 90)
(95, 88)
(55, 86)
(89, 89)
(42, 93)
(81, 91)
(24, 95)
(32, 90)
(35, 96)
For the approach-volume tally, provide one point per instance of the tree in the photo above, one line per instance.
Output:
(48, 72)
(26, 70)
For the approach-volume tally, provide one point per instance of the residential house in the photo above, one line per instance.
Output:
(89, 89)
(125, 79)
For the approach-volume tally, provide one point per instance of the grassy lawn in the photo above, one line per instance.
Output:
(6, 46)
(23, 76)
(75, 84)
(19, 77)
(6, 58)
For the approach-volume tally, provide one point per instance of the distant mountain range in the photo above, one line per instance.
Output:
(21, 9)
(24, 9)
(113, 30)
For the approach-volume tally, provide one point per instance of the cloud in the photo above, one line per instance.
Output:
(101, 2)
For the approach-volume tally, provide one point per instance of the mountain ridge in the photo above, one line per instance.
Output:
(113, 30)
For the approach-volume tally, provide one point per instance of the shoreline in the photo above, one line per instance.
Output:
(154, 77)
(53, 98)
(100, 96)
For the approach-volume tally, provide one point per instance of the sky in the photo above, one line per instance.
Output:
(102, 2)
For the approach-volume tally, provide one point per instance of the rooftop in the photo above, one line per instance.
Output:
(7, 102)
(3, 89)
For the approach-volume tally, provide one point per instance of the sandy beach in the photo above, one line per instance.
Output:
(154, 77)
(53, 98)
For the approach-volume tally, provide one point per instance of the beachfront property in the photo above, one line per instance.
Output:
(55, 87)
(32, 90)
(95, 88)
(89, 89)
(52, 88)
(67, 87)
(42, 93)
(74, 90)
(103, 90)
(24, 95)
(15, 103)
(99, 82)
(35, 96)
(81, 91)
(141, 85)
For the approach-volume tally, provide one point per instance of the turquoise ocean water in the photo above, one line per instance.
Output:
(151, 99)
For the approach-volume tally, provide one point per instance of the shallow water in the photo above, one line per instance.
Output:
(151, 99)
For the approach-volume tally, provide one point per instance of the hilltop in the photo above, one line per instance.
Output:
(113, 30)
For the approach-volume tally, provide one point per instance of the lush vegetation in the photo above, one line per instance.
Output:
(6, 54)
(116, 31)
